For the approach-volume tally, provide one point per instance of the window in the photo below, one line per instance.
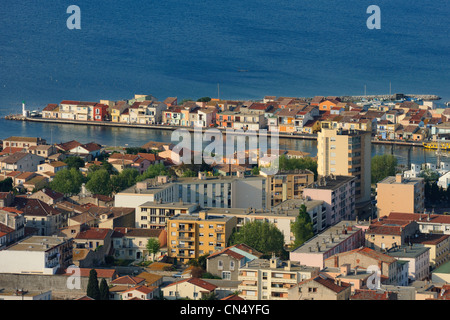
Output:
(220, 265)
(226, 275)
(231, 265)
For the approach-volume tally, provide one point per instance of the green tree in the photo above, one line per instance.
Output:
(153, 246)
(264, 237)
(302, 227)
(6, 185)
(74, 162)
(124, 180)
(104, 290)
(305, 163)
(153, 171)
(135, 150)
(255, 171)
(93, 289)
(99, 182)
(67, 181)
(429, 175)
(204, 99)
(383, 166)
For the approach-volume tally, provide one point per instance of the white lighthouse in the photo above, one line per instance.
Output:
(24, 111)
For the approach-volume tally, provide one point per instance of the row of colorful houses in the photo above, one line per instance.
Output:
(387, 120)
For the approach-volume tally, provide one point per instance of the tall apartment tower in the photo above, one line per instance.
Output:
(347, 152)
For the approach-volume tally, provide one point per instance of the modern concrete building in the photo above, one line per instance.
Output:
(347, 152)
(218, 192)
(418, 258)
(154, 215)
(37, 254)
(282, 215)
(273, 279)
(439, 245)
(342, 237)
(288, 185)
(190, 236)
(338, 194)
(399, 194)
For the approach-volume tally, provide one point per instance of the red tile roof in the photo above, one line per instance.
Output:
(94, 233)
(128, 280)
(197, 282)
(84, 272)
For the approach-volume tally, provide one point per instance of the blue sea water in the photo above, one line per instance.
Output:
(192, 49)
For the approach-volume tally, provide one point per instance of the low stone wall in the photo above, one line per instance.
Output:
(37, 282)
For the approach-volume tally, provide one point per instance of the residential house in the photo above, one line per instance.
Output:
(21, 161)
(367, 258)
(226, 263)
(192, 288)
(323, 288)
(273, 279)
(40, 216)
(131, 243)
(37, 255)
(22, 142)
(48, 196)
(51, 111)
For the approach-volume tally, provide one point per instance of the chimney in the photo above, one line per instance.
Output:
(345, 269)
(288, 266)
(203, 215)
(399, 178)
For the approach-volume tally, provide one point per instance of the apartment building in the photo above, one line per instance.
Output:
(272, 279)
(342, 237)
(439, 245)
(190, 236)
(282, 215)
(37, 255)
(347, 152)
(399, 194)
(154, 215)
(428, 222)
(385, 233)
(418, 258)
(286, 185)
(366, 258)
(338, 194)
(218, 192)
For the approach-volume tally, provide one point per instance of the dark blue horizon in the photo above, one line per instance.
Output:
(185, 49)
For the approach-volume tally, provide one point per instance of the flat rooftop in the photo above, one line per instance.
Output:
(37, 243)
(329, 238)
(288, 208)
(196, 217)
(393, 180)
(331, 182)
(168, 205)
(265, 264)
(407, 251)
